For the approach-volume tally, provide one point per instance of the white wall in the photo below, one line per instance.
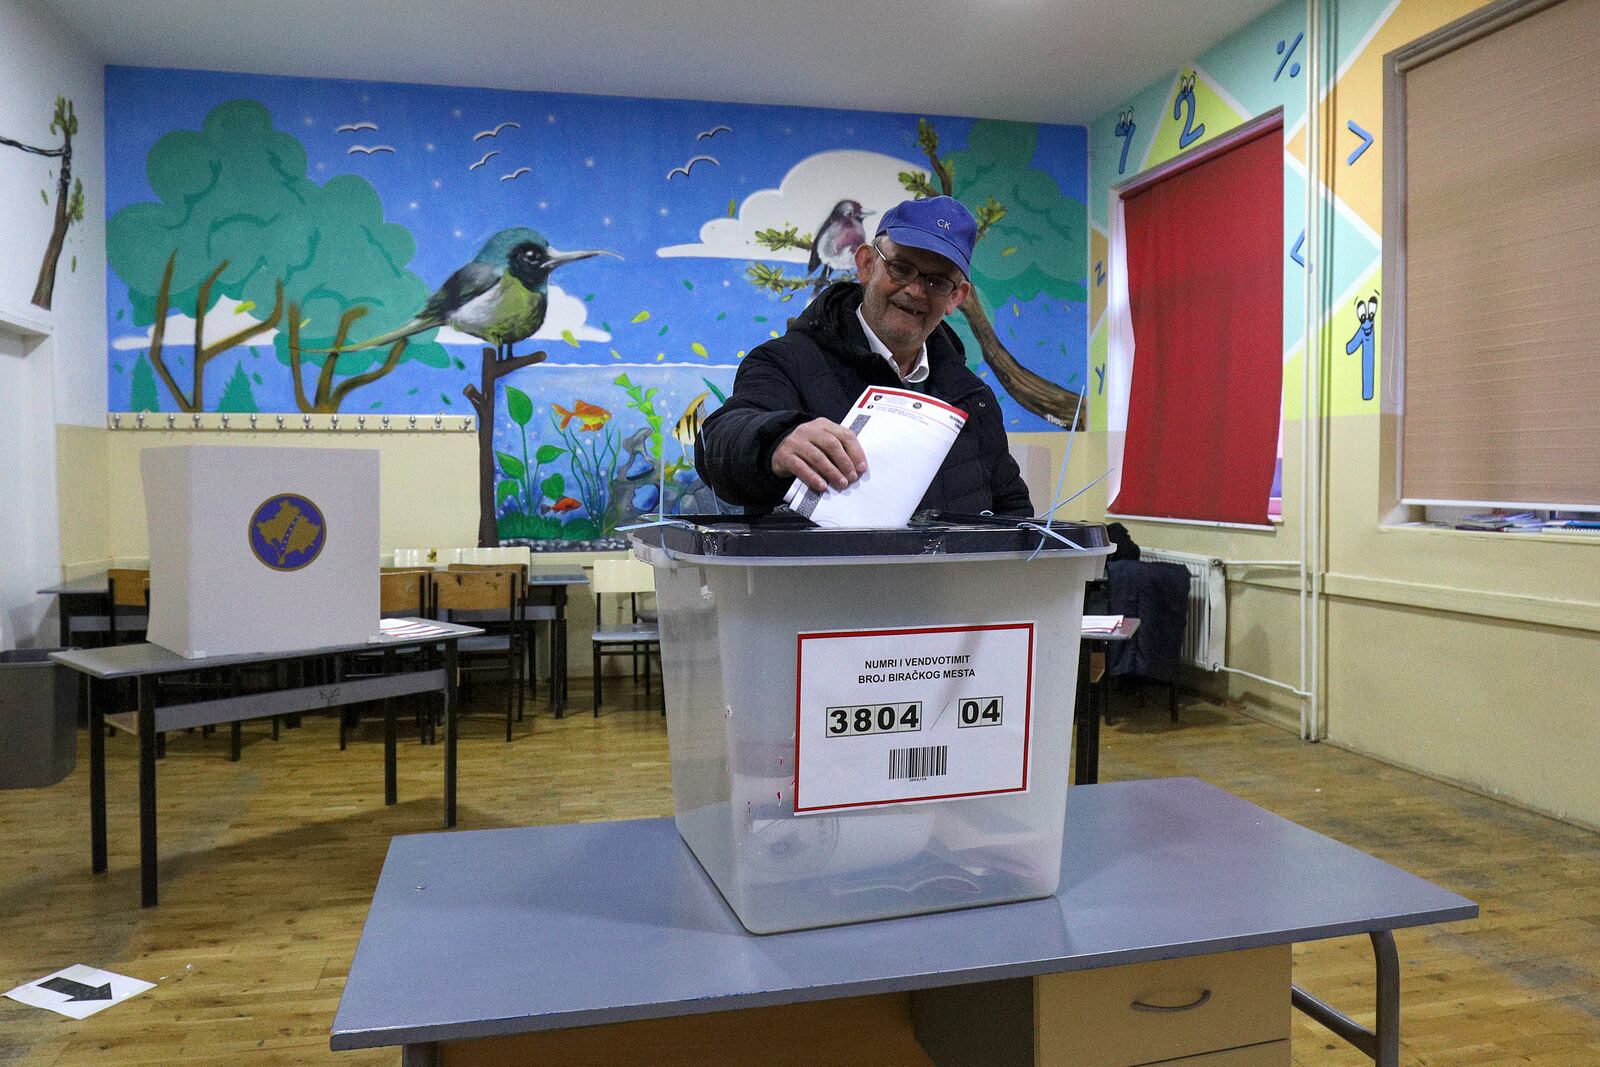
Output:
(60, 379)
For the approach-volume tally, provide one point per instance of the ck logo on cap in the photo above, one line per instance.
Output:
(944, 224)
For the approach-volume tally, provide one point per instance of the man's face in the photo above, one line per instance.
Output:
(904, 314)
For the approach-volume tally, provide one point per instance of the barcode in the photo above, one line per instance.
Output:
(929, 762)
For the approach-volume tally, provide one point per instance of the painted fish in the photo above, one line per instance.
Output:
(564, 505)
(689, 425)
(590, 416)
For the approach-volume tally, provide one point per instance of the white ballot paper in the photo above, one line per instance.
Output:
(905, 435)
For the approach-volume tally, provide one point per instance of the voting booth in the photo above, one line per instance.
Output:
(261, 549)
(870, 723)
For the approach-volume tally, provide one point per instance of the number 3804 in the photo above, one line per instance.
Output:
(856, 721)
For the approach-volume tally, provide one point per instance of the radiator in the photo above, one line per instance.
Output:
(1205, 637)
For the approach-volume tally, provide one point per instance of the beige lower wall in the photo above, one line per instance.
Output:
(82, 499)
(428, 495)
(1474, 658)
(1507, 708)
(428, 499)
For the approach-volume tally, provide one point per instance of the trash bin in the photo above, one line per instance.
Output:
(38, 719)
(870, 723)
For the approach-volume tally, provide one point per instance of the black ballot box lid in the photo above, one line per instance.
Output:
(784, 535)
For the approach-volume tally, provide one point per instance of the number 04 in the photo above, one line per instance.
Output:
(981, 711)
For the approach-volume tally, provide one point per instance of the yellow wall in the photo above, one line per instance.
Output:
(428, 498)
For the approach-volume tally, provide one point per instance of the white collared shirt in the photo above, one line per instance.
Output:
(919, 373)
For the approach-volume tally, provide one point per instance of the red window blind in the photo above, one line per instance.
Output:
(1205, 293)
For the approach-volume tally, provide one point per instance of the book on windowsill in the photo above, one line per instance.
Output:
(1492, 521)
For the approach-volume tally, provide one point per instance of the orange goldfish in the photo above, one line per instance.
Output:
(565, 504)
(590, 416)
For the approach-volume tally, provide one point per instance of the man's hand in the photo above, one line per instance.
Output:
(820, 453)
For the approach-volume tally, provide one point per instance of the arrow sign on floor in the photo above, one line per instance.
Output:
(77, 991)
(1366, 142)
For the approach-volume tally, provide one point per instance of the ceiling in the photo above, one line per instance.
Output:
(1064, 61)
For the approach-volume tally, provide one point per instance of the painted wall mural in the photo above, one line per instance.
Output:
(67, 206)
(1257, 69)
(583, 274)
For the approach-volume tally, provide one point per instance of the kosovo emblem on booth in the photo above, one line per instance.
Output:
(287, 532)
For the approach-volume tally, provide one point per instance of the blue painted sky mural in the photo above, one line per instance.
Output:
(309, 215)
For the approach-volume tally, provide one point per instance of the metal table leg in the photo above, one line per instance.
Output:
(1381, 1044)
(389, 790)
(558, 652)
(147, 793)
(449, 734)
(1080, 741)
(97, 774)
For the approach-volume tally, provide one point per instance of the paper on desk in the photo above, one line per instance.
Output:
(905, 435)
(1101, 624)
(407, 628)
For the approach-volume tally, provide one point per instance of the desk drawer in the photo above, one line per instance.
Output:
(1143, 1012)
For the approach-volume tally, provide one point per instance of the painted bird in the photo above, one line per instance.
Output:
(840, 234)
(501, 296)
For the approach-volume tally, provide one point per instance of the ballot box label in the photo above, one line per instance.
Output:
(912, 714)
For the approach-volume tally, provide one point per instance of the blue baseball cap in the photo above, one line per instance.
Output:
(939, 224)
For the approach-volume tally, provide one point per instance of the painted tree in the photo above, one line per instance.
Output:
(69, 196)
(236, 216)
(1030, 243)
(142, 395)
(237, 396)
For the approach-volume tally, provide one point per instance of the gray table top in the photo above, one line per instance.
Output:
(89, 583)
(558, 578)
(133, 661)
(489, 932)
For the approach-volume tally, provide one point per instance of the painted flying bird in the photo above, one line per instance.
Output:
(501, 296)
(840, 234)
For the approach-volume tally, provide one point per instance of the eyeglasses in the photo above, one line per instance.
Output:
(903, 273)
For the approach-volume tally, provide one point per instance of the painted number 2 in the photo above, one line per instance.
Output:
(1190, 132)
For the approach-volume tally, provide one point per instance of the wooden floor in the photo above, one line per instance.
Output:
(268, 865)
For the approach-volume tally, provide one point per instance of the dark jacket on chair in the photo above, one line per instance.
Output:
(819, 368)
(1157, 594)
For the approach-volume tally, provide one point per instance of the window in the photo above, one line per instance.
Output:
(1204, 282)
(1491, 250)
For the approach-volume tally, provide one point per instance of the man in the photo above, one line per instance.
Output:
(790, 394)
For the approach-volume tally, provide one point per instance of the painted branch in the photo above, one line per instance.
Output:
(331, 361)
(44, 289)
(158, 333)
(351, 384)
(253, 330)
(483, 401)
(294, 359)
(9, 143)
(202, 298)
(1041, 396)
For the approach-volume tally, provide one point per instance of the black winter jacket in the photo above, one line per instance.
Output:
(819, 368)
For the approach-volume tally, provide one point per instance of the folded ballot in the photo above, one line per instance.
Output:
(905, 435)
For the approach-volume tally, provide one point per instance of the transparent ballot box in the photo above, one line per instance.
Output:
(870, 723)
